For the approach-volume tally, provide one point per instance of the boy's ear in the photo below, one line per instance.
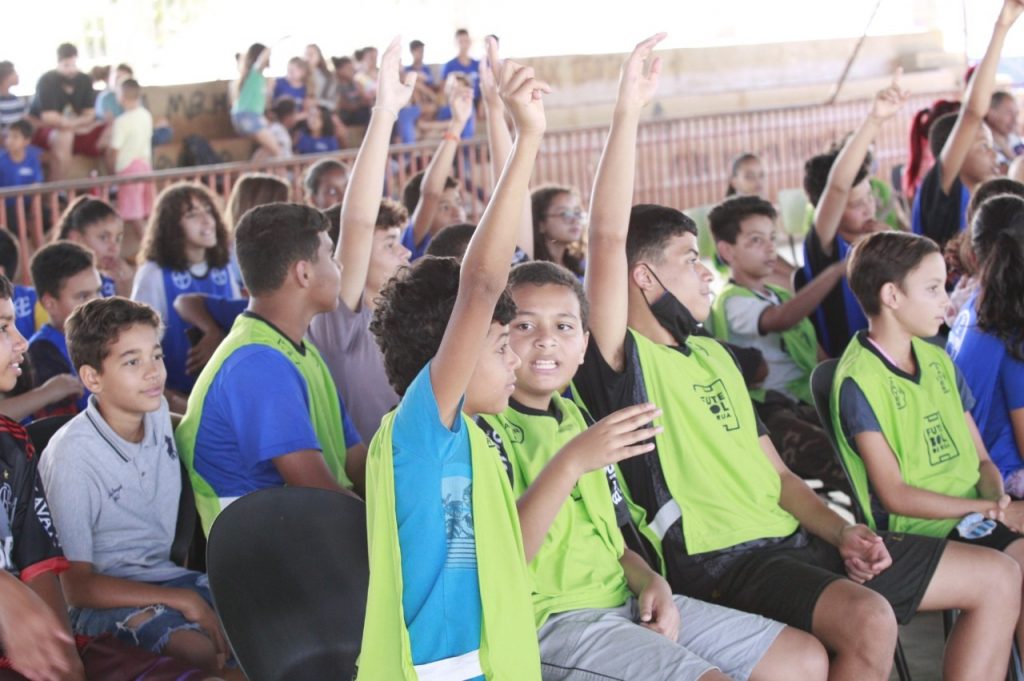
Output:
(641, 276)
(888, 295)
(90, 378)
(49, 303)
(725, 251)
(302, 272)
(586, 343)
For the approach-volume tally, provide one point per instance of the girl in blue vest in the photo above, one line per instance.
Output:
(95, 224)
(185, 250)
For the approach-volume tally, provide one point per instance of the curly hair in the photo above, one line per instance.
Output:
(391, 214)
(412, 315)
(164, 242)
(540, 201)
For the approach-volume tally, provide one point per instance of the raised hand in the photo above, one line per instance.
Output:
(864, 553)
(618, 436)
(490, 72)
(1012, 9)
(461, 104)
(639, 78)
(889, 101)
(394, 88)
(523, 96)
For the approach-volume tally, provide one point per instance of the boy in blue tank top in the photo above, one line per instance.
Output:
(736, 525)
(65, 276)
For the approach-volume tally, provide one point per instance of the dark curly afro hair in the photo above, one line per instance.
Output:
(413, 312)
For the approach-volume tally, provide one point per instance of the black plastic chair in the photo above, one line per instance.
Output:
(289, 573)
(40, 432)
(187, 528)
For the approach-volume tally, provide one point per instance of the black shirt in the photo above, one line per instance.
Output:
(830, 318)
(54, 92)
(939, 216)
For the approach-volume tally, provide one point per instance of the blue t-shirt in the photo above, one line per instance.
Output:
(407, 119)
(48, 334)
(242, 429)
(224, 310)
(25, 310)
(282, 88)
(426, 74)
(472, 70)
(416, 250)
(997, 382)
(315, 145)
(17, 174)
(107, 287)
(444, 113)
(434, 510)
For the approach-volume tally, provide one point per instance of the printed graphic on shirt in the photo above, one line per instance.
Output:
(899, 397)
(495, 441)
(457, 496)
(171, 451)
(6, 536)
(22, 306)
(941, 377)
(182, 280)
(220, 277)
(941, 447)
(718, 402)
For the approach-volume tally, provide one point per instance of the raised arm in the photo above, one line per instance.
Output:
(440, 166)
(778, 318)
(499, 138)
(977, 98)
(832, 203)
(486, 263)
(607, 274)
(366, 185)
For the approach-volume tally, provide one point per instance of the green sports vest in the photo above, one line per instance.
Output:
(508, 638)
(922, 420)
(578, 564)
(726, 488)
(322, 396)
(799, 342)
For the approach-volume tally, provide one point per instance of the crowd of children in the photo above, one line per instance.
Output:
(575, 463)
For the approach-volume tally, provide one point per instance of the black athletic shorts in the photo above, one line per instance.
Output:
(785, 583)
(999, 539)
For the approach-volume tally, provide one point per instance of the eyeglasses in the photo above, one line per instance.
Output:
(568, 215)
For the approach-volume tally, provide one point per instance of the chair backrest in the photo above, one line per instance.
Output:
(289, 573)
(822, 378)
(185, 529)
(40, 432)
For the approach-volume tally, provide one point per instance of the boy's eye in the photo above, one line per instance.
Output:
(523, 326)
(565, 327)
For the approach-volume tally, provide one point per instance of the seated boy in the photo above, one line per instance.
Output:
(962, 146)
(735, 525)
(838, 185)
(264, 411)
(448, 594)
(35, 637)
(20, 164)
(913, 449)
(65, 276)
(113, 480)
(600, 609)
(750, 312)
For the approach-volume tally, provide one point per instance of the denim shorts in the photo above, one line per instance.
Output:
(152, 634)
(248, 122)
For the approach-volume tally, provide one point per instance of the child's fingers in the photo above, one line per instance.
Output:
(493, 60)
(519, 77)
(897, 76)
(631, 451)
(392, 52)
(630, 412)
(655, 67)
(646, 46)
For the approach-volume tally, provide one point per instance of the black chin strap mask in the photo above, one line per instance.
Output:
(673, 316)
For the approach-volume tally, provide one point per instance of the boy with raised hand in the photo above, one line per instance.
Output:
(600, 609)
(448, 593)
(962, 146)
(750, 312)
(838, 185)
(369, 252)
(264, 411)
(113, 479)
(914, 452)
(736, 526)
(65, 276)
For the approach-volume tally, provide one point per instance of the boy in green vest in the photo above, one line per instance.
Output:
(751, 312)
(916, 457)
(599, 607)
(736, 526)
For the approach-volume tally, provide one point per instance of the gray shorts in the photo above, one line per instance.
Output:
(608, 644)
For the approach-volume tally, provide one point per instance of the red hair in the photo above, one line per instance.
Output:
(919, 160)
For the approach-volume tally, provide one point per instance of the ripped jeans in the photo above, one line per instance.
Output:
(150, 635)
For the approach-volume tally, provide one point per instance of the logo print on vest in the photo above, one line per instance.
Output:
(22, 307)
(898, 396)
(181, 280)
(941, 377)
(220, 277)
(941, 447)
(717, 400)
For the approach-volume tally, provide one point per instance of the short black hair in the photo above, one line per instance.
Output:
(817, 169)
(725, 218)
(411, 190)
(55, 263)
(461, 31)
(333, 215)
(131, 88)
(990, 188)
(315, 173)
(271, 238)
(650, 228)
(23, 126)
(415, 45)
(939, 132)
(452, 241)
(883, 258)
(96, 325)
(341, 61)
(6, 288)
(66, 51)
(412, 314)
(83, 213)
(547, 273)
(9, 254)
(284, 106)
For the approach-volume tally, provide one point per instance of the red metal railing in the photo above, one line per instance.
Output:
(682, 162)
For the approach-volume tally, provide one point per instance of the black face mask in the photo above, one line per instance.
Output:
(673, 316)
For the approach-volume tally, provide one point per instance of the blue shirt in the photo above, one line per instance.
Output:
(19, 173)
(472, 70)
(407, 119)
(433, 505)
(48, 334)
(416, 250)
(224, 310)
(315, 145)
(997, 381)
(25, 310)
(255, 410)
(282, 88)
(108, 288)
(426, 74)
(444, 113)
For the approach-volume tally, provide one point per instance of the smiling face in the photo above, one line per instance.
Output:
(681, 273)
(132, 376)
(494, 377)
(548, 336)
(199, 225)
(12, 347)
(920, 301)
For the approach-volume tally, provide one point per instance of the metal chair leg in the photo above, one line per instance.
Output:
(900, 662)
